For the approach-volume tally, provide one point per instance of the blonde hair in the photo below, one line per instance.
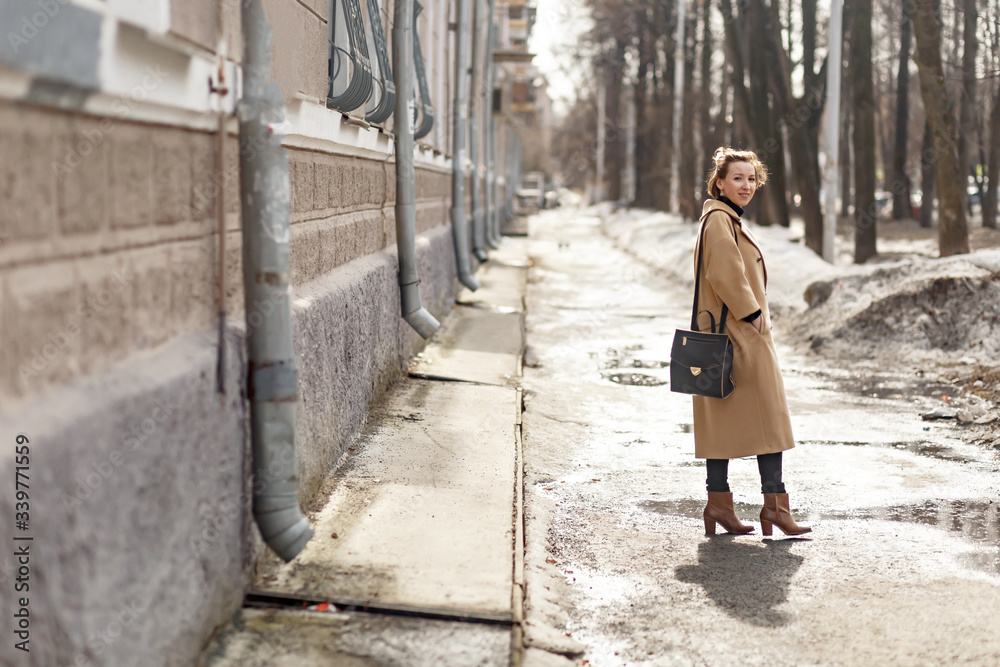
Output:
(725, 156)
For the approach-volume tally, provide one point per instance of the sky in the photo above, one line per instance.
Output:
(558, 25)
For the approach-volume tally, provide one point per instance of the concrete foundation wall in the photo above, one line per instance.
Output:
(143, 536)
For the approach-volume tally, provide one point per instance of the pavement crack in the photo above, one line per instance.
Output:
(560, 420)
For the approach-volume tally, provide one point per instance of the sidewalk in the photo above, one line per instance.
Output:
(413, 560)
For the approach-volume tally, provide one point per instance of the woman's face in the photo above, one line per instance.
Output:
(739, 183)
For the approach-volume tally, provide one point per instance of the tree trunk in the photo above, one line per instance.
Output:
(808, 42)
(709, 140)
(645, 146)
(689, 161)
(665, 18)
(967, 145)
(953, 233)
(902, 208)
(768, 137)
(815, 90)
(863, 94)
(798, 115)
(993, 167)
(927, 178)
(742, 113)
(615, 135)
(846, 110)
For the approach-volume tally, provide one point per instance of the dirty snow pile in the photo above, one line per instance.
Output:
(917, 311)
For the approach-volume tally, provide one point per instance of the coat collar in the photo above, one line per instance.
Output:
(716, 205)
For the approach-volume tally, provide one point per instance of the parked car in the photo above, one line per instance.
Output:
(531, 194)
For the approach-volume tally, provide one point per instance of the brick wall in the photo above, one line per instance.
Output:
(109, 236)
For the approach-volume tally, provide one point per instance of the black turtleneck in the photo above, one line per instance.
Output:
(739, 211)
(728, 202)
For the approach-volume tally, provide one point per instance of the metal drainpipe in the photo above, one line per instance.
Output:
(264, 192)
(459, 225)
(500, 171)
(479, 239)
(492, 238)
(413, 310)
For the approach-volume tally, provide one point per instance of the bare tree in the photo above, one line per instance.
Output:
(993, 160)
(863, 94)
(710, 135)
(953, 234)
(646, 130)
(846, 118)
(762, 121)
(927, 178)
(800, 117)
(993, 167)
(902, 208)
(966, 138)
(689, 161)
(615, 136)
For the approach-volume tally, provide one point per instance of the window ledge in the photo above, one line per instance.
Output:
(315, 127)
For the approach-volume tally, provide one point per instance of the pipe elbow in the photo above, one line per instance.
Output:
(423, 322)
(282, 526)
(480, 255)
(468, 280)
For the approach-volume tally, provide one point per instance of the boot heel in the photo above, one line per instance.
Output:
(709, 527)
(766, 528)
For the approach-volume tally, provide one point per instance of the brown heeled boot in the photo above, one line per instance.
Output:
(776, 513)
(720, 510)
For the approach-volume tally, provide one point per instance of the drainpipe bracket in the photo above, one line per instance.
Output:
(277, 382)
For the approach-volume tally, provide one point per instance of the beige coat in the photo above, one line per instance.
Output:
(754, 418)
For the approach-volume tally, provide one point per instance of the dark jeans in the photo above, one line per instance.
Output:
(769, 466)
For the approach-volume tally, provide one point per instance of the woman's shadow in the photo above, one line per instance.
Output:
(747, 581)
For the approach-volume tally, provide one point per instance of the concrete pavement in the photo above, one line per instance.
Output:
(903, 565)
(433, 553)
(413, 561)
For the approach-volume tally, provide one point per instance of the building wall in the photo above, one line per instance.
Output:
(109, 299)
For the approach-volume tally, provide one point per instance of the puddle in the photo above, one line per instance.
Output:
(892, 386)
(920, 447)
(636, 363)
(635, 379)
(974, 520)
(692, 508)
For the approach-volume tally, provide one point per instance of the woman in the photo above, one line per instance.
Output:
(754, 418)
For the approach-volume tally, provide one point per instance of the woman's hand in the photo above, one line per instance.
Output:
(758, 323)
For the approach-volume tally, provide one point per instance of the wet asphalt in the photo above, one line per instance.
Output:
(903, 566)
